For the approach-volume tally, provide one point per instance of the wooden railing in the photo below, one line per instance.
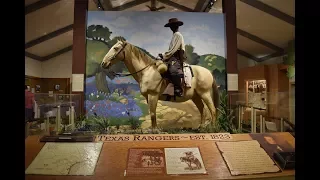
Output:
(262, 119)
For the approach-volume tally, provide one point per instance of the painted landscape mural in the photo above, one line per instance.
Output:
(118, 99)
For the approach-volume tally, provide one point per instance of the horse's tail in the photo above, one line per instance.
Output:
(215, 95)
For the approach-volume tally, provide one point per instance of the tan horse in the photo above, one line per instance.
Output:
(145, 71)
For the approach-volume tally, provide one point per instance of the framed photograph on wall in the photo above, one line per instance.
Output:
(60, 97)
(37, 88)
(57, 87)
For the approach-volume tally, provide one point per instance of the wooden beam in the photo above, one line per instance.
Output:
(129, 5)
(247, 55)
(201, 6)
(33, 56)
(176, 5)
(58, 53)
(154, 3)
(48, 36)
(258, 40)
(276, 54)
(106, 5)
(270, 10)
(38, 5)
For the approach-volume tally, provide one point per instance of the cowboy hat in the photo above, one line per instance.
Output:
(174, 21)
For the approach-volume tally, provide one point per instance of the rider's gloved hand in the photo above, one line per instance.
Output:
(160, 55)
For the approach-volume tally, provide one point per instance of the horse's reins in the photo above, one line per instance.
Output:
(124, 57)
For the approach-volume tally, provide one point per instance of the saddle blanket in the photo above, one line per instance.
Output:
(188, 74)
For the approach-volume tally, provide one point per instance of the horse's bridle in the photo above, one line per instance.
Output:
(124, 57)
(121, 50)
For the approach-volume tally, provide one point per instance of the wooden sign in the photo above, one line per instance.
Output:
(164, 137)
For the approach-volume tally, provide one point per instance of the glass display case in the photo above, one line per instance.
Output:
(273, 116)
(54, 113)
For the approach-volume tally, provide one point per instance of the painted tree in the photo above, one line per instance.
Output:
(220, 77)
(99, 33)
(212, 62)
(192, 57)
(98, 44)
(290, 59)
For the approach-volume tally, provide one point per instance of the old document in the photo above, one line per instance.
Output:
(246, 157)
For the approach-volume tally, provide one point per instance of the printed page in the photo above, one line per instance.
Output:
(246, 157)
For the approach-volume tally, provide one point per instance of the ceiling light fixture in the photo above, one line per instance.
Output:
(99, 5)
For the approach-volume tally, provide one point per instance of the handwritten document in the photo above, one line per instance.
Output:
(246, 157)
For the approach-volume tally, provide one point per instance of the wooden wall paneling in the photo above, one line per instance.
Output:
(250, 73)
(33, 81)
(283, 85)
(49, 84)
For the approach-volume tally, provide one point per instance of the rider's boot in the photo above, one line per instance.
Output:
(176, 80)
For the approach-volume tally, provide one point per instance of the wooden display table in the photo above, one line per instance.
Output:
(112, 161)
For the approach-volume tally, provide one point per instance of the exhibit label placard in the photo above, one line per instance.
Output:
(159, 161)
(164, 137)
(145, 161)
(77, 82)
(184, 161)
(232, 82)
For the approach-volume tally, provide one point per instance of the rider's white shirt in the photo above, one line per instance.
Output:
(177, 43)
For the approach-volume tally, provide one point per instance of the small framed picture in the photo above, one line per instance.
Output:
(60, 97)
(57, 87)
(37, 88)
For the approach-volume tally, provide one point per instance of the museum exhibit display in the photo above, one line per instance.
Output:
(54, 115)
(156, 95)
(114, 93)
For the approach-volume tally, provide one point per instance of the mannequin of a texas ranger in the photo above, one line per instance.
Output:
(175, 56)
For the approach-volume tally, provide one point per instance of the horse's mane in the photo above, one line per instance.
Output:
(140, 54)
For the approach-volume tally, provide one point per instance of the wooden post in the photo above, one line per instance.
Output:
(79, 44)
(252, 121)
(281, 125)
(239, 117)
(229, 9)
(261, 124)
(264, 124)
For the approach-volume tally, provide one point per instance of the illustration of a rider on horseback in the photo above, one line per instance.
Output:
(175, 56)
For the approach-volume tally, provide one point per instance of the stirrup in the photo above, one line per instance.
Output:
(178, 92)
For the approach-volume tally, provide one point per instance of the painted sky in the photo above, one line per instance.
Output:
(204, 31)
